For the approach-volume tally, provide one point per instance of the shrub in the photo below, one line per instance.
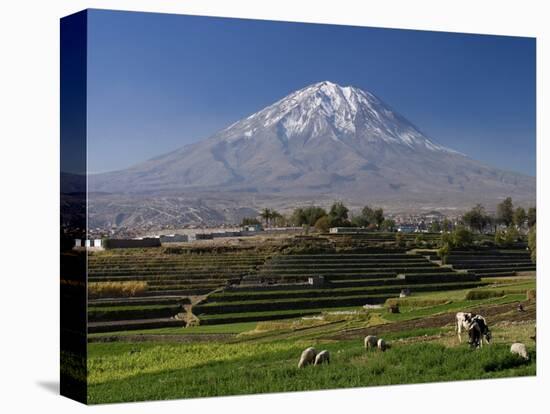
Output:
(461, 237)
(415, 302)
(505, 238)
(393, 308)
(419, 240)
(483, 294)
(115, 289)
(443, 252)
(399, 240)
(250, 221)
(322, 224)
(533, 243)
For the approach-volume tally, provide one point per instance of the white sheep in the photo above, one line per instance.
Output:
(322, 357)
(307, 357)
(519, 349)
(381, 344)
(371, 342)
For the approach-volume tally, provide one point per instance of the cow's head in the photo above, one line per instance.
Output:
(488, 335)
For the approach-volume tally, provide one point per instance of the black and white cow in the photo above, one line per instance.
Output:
(475, 325)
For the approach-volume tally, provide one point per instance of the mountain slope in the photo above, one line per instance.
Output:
(322, 139)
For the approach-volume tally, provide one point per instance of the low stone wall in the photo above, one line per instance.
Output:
(131, 243)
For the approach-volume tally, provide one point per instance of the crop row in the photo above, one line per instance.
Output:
(372, 296)
(491, 265)
(114, 313)
(346, 266)
(108, 303)
(169, 272)
(236, 296)
(287, 304)
(127, 325)
(410, 280)
(336, 273)
(213, 263)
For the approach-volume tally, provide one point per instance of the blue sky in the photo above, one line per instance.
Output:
(157, 82)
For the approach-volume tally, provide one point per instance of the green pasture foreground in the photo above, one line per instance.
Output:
(122, 372)
(262, 357)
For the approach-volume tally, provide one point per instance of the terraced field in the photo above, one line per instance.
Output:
(492, 263)
(256, 285)
(282, 290)
(173, 282)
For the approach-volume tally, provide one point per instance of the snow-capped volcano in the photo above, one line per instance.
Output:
(324, 139)
(326, 108)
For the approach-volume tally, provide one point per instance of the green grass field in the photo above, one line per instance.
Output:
(133, 372)
(262, 357)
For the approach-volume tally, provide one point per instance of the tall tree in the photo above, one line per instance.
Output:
(372, 216)
(531, 216)
(505, 212)
(533, 242)
(368, 213)
(446, 225)
(338, 215)
(378, 217)
(388, 225)
(275, 215)
(435, 227)
(359, 221)
(520, 216)
(476, 218)
(266, 215)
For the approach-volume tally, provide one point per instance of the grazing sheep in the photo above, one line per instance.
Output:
(322, 357)
(307, 357)
(371, 342)
(381, 344)
(521, 308)
(519, 349)
(405, 293)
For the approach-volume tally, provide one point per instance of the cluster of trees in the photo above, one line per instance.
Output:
(511, 221)
(507, 215)
(313, 216)
(250, 221)
(439, 226)
(307, 216)
(270, 216)
(337, 216)
(514, 220)
(477, 219)
(373, 218)
(460, 237)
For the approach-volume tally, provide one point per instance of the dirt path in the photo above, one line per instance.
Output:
(294, 333)
(188, 316)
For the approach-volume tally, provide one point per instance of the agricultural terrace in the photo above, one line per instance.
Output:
(190, 322)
